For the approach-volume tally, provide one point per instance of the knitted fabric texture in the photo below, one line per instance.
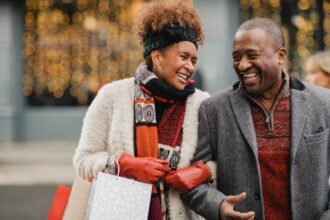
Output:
(274, 159)
(167, 36)
(273, 132)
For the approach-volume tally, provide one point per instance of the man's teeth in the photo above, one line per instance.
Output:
(249, 75)
(182, 76)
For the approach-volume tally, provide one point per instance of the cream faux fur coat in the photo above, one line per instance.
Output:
(108, 129)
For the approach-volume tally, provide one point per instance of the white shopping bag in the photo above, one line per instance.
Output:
(115, 197)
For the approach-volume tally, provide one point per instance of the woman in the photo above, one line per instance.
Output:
(149, 123)
(317, 67)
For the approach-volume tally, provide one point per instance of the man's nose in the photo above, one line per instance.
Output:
(244, 64)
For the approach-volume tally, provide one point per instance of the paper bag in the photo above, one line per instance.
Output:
(75, 209)
(59, 203)
(118, 198)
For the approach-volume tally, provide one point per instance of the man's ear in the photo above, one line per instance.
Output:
(155, 57)
(282, 55)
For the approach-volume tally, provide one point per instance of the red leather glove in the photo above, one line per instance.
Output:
(188, 178)
(143, 169)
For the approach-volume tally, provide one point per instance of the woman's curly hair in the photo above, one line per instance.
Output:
(160, 13)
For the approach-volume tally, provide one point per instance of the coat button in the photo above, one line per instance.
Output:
(257, 196)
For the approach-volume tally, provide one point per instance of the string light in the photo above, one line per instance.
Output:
(326, 23)
(261, 8)
(77, 46)
(306, 21)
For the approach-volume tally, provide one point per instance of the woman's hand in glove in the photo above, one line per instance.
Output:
(143, 169)
(188, 178)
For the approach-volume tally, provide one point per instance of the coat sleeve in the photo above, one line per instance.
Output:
(91, 154)
(326, 214)
(204, 199)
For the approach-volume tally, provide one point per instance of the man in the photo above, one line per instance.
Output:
(269, 135)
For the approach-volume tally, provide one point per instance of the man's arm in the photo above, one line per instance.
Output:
(204, 200)
(326, 215)
(326, 95)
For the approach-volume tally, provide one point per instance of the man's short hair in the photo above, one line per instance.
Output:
(271, 28)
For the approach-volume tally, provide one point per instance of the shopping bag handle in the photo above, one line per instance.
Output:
(112, 166)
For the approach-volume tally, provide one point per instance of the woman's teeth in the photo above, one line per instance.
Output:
(182, 76)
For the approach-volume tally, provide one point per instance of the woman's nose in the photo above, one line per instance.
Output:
(190, 66)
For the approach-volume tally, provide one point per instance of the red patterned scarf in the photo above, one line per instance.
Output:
(160, 140)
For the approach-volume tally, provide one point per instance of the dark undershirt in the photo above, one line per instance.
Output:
(160, 109)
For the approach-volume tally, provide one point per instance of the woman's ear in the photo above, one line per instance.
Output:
(155, 57)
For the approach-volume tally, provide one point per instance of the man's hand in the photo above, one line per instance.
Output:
(227, 211)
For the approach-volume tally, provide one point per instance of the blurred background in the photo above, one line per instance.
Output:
(56, 54)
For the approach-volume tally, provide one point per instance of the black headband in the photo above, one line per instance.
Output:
(167, 36)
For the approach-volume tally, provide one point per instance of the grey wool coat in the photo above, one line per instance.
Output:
(227, 135)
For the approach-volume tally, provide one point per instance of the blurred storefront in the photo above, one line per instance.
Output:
(56, 54)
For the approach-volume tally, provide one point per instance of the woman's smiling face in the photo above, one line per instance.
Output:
(176, 64)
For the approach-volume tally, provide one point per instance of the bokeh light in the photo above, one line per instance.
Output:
(77, 46)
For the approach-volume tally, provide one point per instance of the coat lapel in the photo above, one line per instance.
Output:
(299, 112)
(242, 112)
(300, 106)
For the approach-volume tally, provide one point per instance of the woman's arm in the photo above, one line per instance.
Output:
(91, 154)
